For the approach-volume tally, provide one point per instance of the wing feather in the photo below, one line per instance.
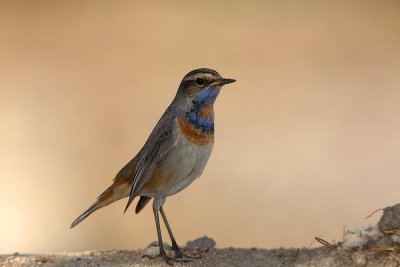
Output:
(153, 153)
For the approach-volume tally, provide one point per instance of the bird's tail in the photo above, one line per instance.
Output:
(113, 193)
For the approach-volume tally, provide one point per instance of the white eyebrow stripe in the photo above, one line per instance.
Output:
(207, 76)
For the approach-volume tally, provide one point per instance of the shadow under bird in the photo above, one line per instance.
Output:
(173, 156)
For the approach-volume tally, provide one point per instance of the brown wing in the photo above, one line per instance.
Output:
(153, 153)
(138, 171)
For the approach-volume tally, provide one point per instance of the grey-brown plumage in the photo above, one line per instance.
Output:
(175, 153)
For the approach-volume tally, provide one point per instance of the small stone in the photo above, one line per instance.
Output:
(41, 259)
(360, 237)
(202, 242)
(390, 219)
(151, 251)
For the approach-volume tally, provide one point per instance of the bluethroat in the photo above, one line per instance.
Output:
(173, 156)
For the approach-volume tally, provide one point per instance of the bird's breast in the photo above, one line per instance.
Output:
(193, 134)
(185, 162)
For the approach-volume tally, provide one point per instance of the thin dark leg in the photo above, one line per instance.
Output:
(175, 246)
(160, 242)
(171, 235)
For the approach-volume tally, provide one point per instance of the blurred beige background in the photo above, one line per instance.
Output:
(307, 140)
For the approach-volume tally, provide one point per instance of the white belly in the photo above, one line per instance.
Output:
(184, 164)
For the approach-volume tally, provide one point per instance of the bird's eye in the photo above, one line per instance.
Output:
(200, 81)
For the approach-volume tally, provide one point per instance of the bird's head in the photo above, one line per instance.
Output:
(202, 85)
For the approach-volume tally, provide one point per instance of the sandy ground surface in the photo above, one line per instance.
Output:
(375, 245)
(322, 256)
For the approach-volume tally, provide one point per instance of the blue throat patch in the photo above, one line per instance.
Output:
(201, 100)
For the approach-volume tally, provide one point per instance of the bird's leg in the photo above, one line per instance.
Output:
(160, 242)
(175, 247)
(162, 254)
(156, 207)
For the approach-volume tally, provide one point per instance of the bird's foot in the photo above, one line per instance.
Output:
(168, 260)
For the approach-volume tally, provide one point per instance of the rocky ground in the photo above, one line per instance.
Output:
(377, 245)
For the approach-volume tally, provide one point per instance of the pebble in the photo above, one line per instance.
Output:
(390, 219)
(203, 242)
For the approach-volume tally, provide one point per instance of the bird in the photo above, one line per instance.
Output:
(174, 155)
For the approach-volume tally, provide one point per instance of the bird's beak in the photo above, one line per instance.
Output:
(223, 81)
(226, 81)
